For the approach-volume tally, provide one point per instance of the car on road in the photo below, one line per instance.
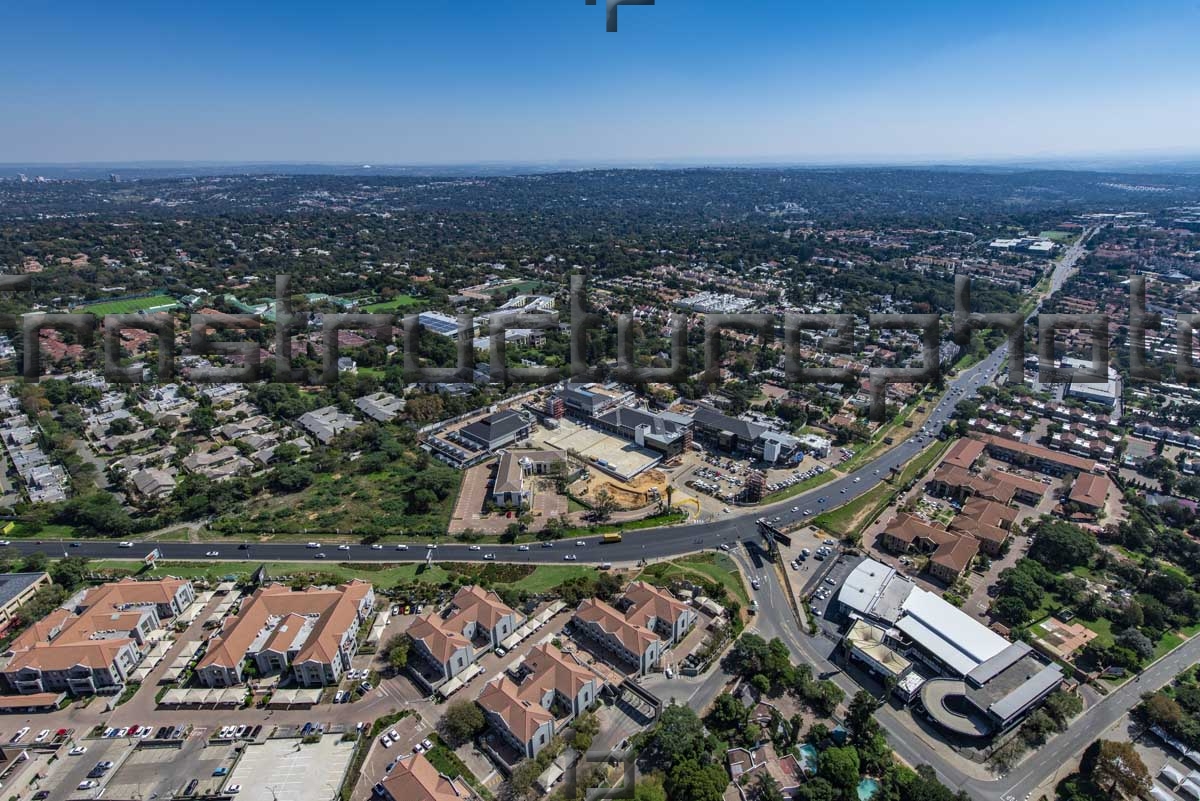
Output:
(489, 557)
(830, 581)
(755, 583)
(318, 555)
(547, 544)
(432, 546)
(579, 543)
(212, 553)
(87, 785)
(474, 548)
(376, 547)
(795, 508)
(313, 545)
(221, 771)
(523, 548)
(401, 547)
(41, 795)
(570, 557)
(233, 789)
(343, 547)
(858, 479)
(78, 750)
(125, 544)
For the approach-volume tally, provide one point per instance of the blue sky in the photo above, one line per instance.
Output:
(451, 81)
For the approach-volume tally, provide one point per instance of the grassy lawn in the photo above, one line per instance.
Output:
(1102, 627)
(847, 519)
(1169, 642)
(50, 531)
(712, 566)
(1058, 236)
(542, 578)
(546, 577)
(803, 486)
(384, 574)
(398, 302)
(128, 306)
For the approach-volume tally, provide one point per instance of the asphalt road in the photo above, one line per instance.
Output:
(775, 618)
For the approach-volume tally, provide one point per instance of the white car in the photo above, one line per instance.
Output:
(523, 548)
(570, 557)
(20, 735)
(87, 785)
(78, 750)
(489, 557)
(377, 547)
(343, 547)
(313, 545)
(401, 547)
(795, 508)
(319, 555)
(41, 736)
(385, 741)
(212, 553)
(578, 543)
(125, 544)
(474, 548)
(5, 542)
(233, 789)
(394, 735)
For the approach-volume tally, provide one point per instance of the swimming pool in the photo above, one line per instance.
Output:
(866, 789)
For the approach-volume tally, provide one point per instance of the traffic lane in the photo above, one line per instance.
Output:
(649, 543)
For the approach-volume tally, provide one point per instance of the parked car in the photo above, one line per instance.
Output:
(78, 750)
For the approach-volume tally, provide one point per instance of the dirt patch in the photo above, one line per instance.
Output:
(642, 490)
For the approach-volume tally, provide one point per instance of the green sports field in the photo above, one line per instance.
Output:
(130, 305)
(398, 302)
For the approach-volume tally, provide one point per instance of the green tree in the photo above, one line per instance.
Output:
(839, 765)
(679, 737)
(690, 780)
(728, 716)
(461, 722)
(395, 651)
(1061, 546)
(69, 572)
(860, 717)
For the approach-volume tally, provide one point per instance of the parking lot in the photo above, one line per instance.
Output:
(165, 771)
(287, 770)
(70, 771)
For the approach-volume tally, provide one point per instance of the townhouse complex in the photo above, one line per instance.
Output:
(310, 635)
(93, 643)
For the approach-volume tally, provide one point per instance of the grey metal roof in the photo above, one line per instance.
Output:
(13, 584)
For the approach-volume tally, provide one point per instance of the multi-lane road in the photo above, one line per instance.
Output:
(776, 618)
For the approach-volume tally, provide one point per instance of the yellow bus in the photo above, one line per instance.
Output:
(613, 536)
